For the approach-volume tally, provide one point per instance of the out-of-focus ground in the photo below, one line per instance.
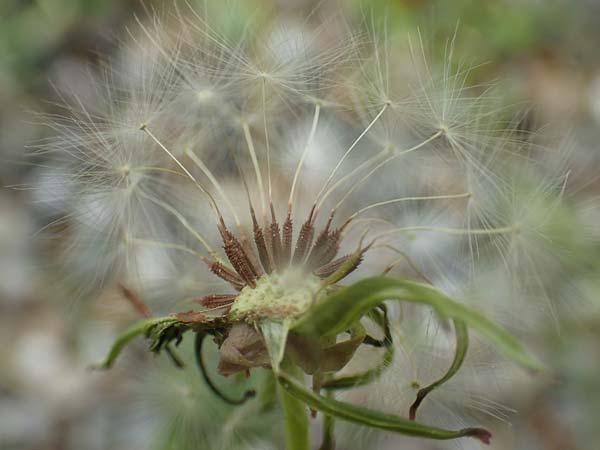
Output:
(543, 52)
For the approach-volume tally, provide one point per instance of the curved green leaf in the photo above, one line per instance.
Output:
(141, 327)
(341, 309)
(462, 344)
(375, 419)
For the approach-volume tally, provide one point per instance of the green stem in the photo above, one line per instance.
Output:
(268, 393)
(296, 415)
(328, 442)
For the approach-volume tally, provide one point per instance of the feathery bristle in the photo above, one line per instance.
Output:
(237, 257)
(287, 236)
(226, 274)
(325, 248)
(329, 268)
(305, 237)
(275, 240)
(216, 300)
(261, 244)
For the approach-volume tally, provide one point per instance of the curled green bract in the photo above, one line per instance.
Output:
(462, 344)
(380, 317)
(138, 328)
(341, 309)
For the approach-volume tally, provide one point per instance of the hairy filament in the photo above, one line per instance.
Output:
(353, 172)
(160, 244)
(212, 201)
(267, 145)
(407, 199)
(304, 153)
(156, 169)
(403, 257)
(162, 51)
(456, 231)
(350, 225)
(183, 222)
(380, 165)
(215, 182)
(350, 149)
(252, 152)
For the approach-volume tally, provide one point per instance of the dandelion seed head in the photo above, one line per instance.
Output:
(286, 295)
(247, 177)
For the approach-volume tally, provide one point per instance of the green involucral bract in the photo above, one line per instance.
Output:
(462, 345)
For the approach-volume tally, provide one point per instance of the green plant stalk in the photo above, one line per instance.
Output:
(267, 397)
(296, 414)
(328, 442)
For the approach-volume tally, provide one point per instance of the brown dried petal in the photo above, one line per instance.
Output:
(192, 317)
(313, 355)
(216, 300)
(338, 355)
(243, 349)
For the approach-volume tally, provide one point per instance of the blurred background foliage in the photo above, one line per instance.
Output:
(544, 53)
